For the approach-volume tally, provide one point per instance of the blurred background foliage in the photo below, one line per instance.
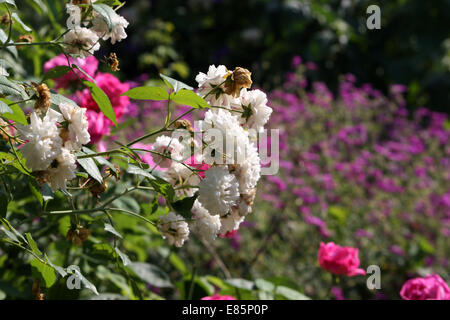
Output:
(412, 47)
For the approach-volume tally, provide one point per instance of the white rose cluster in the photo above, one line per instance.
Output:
(52, 140)
(83, 41)
(227, 188)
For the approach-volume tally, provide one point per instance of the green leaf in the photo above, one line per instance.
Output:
(102, 101)
(16, 17)
(290, 294)
(3, 204)
(107, 13)
(35, 191)
(264, 285)
(9, 88)
(59, 269)
(163, 187)
(83, 280)
(89, 165)
(100, 159)
(57, 99)
(4, 108)
(16, 115)
(184, 206)
(339, 213)
(109, 2)
(11, 2)
(175, 84)
(240, 283)
(151, 274)
(147, 93)
(47, 273)
(132, 169)
(189, 98)
(111, 229)
(56, 72)
(176, 261)
(33, 244)
(126, 261)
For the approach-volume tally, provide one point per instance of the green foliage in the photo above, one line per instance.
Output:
(102, 101)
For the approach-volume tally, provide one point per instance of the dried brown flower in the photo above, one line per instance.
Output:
(43, 94)
(240, 78)
(78, 235)
(112, 61)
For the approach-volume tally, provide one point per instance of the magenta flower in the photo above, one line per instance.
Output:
(431, 287)
(218, 297)
(339, 260)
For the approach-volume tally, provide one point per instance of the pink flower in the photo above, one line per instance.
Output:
(99, 125)
(339, 260)
(89, 65)
(432, 287)
(218, 297)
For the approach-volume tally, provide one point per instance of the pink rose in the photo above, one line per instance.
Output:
(99, 125)
(218, 297)
(89, 65)
(432, 287)
(339, 260)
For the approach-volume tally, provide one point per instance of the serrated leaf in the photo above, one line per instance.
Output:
(8, 88)
(56, 72)
(32, 244)
(147, 93)
(189, 98)
(151, 274)
(175, 84)
(102, 101)
(89, 165)
(111, 229)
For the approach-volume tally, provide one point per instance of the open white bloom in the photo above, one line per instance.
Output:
(234, 137)
(211, 80)
(249, 171)
(253, 104)
(174, 228)
(231, 222)
(44, 143)
(171, 148)
(81, 41)
(205, 225)
(62, 170)
(180, 175)
(117, 33)
(77, 124)
(219, 191)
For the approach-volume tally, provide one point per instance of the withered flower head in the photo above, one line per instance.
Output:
(78, 235)
(5, 19)
(97, 188)
(113, 61)
(184, 124)
(240, 78)
(43, 94)
(26, 38)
